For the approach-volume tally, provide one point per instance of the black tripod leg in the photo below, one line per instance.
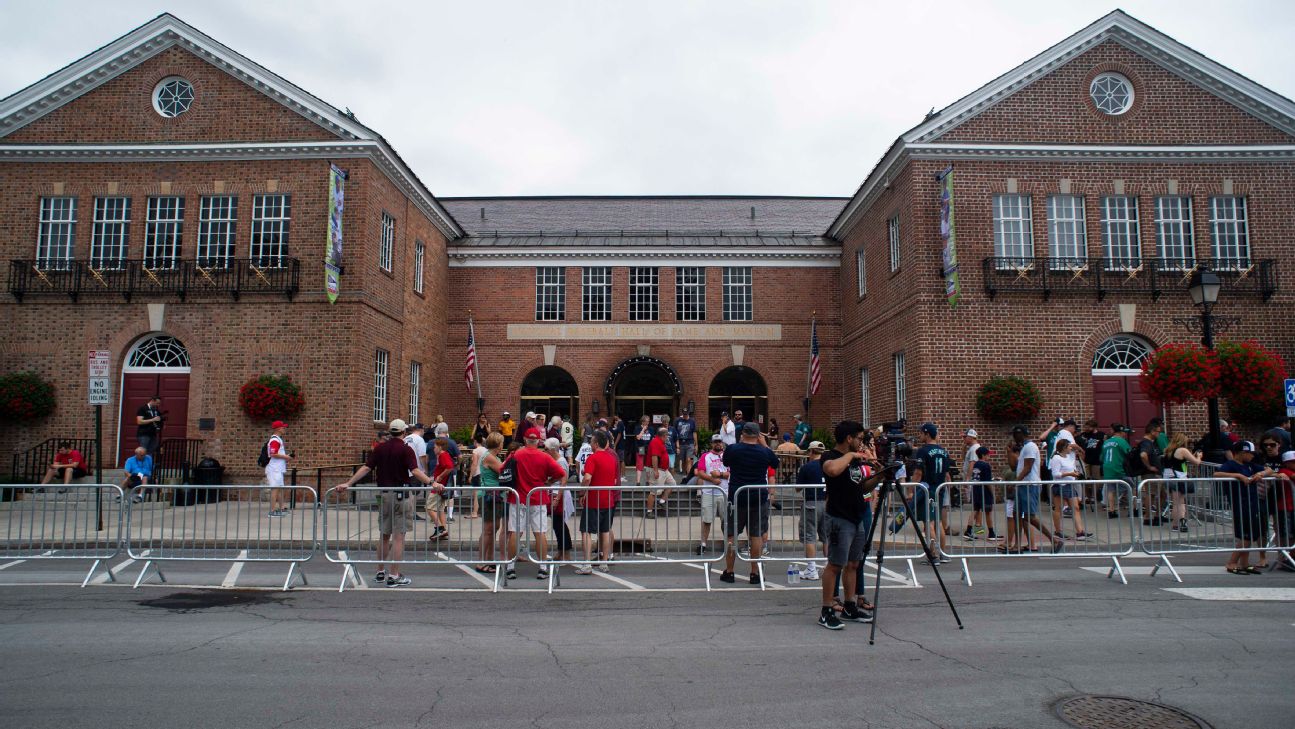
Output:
(879, 515)
(908, 511)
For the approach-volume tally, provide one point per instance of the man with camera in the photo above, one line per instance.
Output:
(149, 421)
(849, 486)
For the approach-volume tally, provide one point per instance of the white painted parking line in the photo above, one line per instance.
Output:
(231, 577)
(7, 565)
(356, 580)
(102, 577)
(619, 580)
(1145, 569)
(1242, 594)
(469, 571)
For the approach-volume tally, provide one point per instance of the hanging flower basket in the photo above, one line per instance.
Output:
(25, 397)
(1180, 373)
(270, 397)
(1008, 399)
(1251, 378)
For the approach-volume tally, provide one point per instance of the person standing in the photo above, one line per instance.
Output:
(1149, 457)
(748, 463)
(567, 437)
(1176, 458)
(1065, 469)
(617, 431)
(415, 440)
(658, 465)
(982, 498)
(149, 419)
(507, 427)
(1115, 453)
(563, 506)
(493, 510)
(971, 440)
(802, 434)
(712, 472)
(602, 474)
(1027, 492)
(933, 464)
(277, 450)
(440, 499)
(643, 438)
(533, 468)
(808, 478)
(1091, 440)
(772, 433)
(727, 429)
(686, 445)
(393, 462)
(1282, 432)
(482, 431)
(1247, 514)
(849, 483)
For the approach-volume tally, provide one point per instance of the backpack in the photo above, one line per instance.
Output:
(1133, 462)
(263, 460)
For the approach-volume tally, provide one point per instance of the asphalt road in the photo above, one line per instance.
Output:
(1037, 632)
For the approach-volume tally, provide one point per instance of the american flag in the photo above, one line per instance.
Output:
(815, 374)
(470, 367)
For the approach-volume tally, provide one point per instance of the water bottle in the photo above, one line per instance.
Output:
(793, 574)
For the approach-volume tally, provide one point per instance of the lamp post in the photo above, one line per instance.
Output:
(1204, 289)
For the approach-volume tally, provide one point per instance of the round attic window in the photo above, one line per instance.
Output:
(1112, 93)
(173, 96)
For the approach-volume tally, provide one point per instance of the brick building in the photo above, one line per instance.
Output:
(167, 199)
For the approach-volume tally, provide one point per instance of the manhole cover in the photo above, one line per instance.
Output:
(189, 601)
(1117, 712)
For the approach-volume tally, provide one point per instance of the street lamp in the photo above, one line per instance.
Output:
(1204, 289)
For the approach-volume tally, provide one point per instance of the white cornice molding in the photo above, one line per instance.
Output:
(483, 257)
(1106, 153)
(374, 150)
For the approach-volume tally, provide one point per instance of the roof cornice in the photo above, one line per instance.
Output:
(474, 257)
(382, 156)
(1106, 153)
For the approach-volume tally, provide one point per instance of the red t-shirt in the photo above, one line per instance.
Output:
(534, 467)
(73, 456)
(606, 471)
(444, 464)
(1285, 492)
(657, 448)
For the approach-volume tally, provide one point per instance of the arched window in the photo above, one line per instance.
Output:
(552, 391)
(734, 389)
(160, 352)
(1121, 354)
(643, 386)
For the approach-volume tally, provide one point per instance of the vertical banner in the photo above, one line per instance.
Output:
(950, 268)
(333, 250)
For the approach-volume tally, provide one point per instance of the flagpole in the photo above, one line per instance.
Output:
(476, 365)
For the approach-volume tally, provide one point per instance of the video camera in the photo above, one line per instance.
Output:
(892, 445)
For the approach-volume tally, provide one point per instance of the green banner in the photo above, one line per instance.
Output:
(333, 250)
(949, 270)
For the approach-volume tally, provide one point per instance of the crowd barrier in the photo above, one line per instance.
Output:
(352, 531)
(1216, 512)
(82, 522)
(671, 534)
(1102, 536)
(221, 524)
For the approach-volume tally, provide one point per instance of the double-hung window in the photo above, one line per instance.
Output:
(1120, 241)
(111, 231)
(217, 221)
(643, 292)
(737, 293)
(550, 293)
(690, 293)
(1174, 243)
(380, 359)
(861, 271)
(901, 387)
(163, 232)
(865, 397)
(415, 374)
(56, 233)
(1067, 240)
(1013, 232)
(1229, 232)
(387, 244)
(420, 252)
(271, 215)
(892, 233)
(596, 293)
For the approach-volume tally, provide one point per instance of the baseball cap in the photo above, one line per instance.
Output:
(1125, 429)
(398, 425)
(552, 443)
(929, 429)
(419, 426)
(1243, 446)
(717, 438)
(1288, 456)
(1020, 429)
(1069, 421)
(507, 413)
(530, 414)
(981, 452)
(796, 416)
(816, 445)
(278, 424)
(750, 427)
(971, 433)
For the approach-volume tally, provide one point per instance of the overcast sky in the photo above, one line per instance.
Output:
(659, 97)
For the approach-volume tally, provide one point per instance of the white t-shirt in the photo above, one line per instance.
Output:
(969, 460)
(1028, 450)
(586, 450)
(415, 441)
(276, 465)
(728, 433)
(712, 462)
(479, 455)
(1064, 435)
(1062, 464)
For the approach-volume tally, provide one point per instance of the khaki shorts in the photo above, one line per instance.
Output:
(436, 502)
(714, 505)
(395, 516)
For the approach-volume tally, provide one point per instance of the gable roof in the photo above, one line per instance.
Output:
(1117, 26)
(165, 31)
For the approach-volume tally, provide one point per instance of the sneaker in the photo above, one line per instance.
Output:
(276, 514)
(543, 574)
(1057, 546)
(994, 537)
(1067, 511)
(755, 578)
(968, 536)
(1082, 536)
(855, 614)
(380, 577)
(137, 499)
(767, 551)
(511, 574)
(827, 618)
(701, 549)
(810, 574)
(979, 530)
(744, 553)
(649, 514)
(945, 560)
(398, 581)
(603, 568)
(584, 569)
(439, 534)
(726, 577)
(63, 490)
(897, 525)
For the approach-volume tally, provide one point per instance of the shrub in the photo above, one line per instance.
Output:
(24, 397)
(1251, 378)
(1008, 398)
(270, 397)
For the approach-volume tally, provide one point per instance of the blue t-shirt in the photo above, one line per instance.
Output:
(684, 430)
(812, 472)
(935, 463)
(1242, 491)
(982, 471)
(672, 434)
(749, 464)
(143, 466)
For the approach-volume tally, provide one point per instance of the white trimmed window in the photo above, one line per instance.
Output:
(550, 293)
(110, 234)
(643, 282)
(163, 231)
(217, 224)
(1013, 231)
(172, 96)
(380, 359)
(387, 243)
(738, 287)
(271, 216)
(892, 232)
(901, 387)
(415, 373)
(1120, 241)
(56, 233)
(865, 398)
(690, 293)
(861, 271)
(420, 252)
(1067, 240)
(1174, 244)
(596, 293)
(1230, 232)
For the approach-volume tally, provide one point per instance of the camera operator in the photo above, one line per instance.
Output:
(849, 484)
(149, 420)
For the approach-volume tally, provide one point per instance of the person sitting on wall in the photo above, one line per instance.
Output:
(68, 463)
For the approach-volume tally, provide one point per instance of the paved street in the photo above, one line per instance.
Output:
(651, 650)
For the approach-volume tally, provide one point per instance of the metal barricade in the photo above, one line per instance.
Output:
(648, 534)
(76, 521)
(1189, 515)
(353, 525)
(979, 526)
(901, 541)
(240, 528)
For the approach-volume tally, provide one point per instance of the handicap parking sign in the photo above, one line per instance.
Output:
(1290, 398)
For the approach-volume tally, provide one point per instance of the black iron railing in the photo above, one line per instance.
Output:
(129, 279)
(29, 466)
(1102, 276)
(175, 459)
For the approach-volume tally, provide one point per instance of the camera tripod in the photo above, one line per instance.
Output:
(890, 486)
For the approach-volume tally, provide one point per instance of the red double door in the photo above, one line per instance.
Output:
(136, 389)
(1120, 400)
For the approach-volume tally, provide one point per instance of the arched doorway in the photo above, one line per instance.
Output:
(737, 388)
(156, 365)
(1117, 396)
(552, 391)
(643, 386)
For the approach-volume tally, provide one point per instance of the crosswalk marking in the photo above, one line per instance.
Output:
(231, 577)
(1243, 594)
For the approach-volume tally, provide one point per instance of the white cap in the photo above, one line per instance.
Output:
(552, 443)
(971, 433)
(398, 425)
(1288, 456)
(530, 414)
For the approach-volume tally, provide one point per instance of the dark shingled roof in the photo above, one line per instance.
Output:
(675, 215)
